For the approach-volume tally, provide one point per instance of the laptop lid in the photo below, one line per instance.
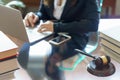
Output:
(11, 22)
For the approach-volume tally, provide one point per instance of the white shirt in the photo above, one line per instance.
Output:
(58, 9)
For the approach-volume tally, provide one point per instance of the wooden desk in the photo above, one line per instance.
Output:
(79, 73)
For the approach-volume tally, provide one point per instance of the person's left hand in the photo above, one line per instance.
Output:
(46, 26)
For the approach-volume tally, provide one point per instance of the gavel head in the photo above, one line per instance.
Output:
(102, 61)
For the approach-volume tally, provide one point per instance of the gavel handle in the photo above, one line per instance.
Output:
(84, 53)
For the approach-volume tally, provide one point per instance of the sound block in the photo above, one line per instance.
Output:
(101, 72)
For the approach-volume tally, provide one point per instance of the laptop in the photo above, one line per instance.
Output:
(11, 23)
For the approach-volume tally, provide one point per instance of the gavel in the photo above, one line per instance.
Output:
(100, 61)
(99, 66)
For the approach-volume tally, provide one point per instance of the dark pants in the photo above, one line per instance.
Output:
(58, 54)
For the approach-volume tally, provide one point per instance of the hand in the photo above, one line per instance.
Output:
(47, 26)
(30, 19)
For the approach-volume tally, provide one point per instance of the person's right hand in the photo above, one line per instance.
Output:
(30, 19)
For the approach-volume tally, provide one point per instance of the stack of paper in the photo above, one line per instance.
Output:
(8, 60)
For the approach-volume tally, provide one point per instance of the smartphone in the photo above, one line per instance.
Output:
(60, 39)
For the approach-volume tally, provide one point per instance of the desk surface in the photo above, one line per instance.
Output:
(80, 72)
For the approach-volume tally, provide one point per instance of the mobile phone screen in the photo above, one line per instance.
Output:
(59, 38)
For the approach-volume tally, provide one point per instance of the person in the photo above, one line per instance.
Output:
(75, 17)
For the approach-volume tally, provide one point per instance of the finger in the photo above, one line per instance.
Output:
(31, 20)
(36, 18)
(42, 29)
(25, 21)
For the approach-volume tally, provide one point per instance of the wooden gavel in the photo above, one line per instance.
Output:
(99, 61)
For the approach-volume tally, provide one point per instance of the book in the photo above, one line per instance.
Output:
(111, 53)
(111, 45)
(8, 47)
(8, 65)
(111, 34)
(7, 76)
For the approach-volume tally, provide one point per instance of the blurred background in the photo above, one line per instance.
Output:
(110, 8)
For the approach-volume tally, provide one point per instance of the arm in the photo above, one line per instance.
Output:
(43, 12)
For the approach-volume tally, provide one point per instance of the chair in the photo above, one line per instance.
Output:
(90, 47)
(34, 66)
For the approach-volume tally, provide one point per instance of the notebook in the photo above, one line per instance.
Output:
(11, 22)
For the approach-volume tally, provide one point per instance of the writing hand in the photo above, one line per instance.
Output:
(30, 19)
(46, 26)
